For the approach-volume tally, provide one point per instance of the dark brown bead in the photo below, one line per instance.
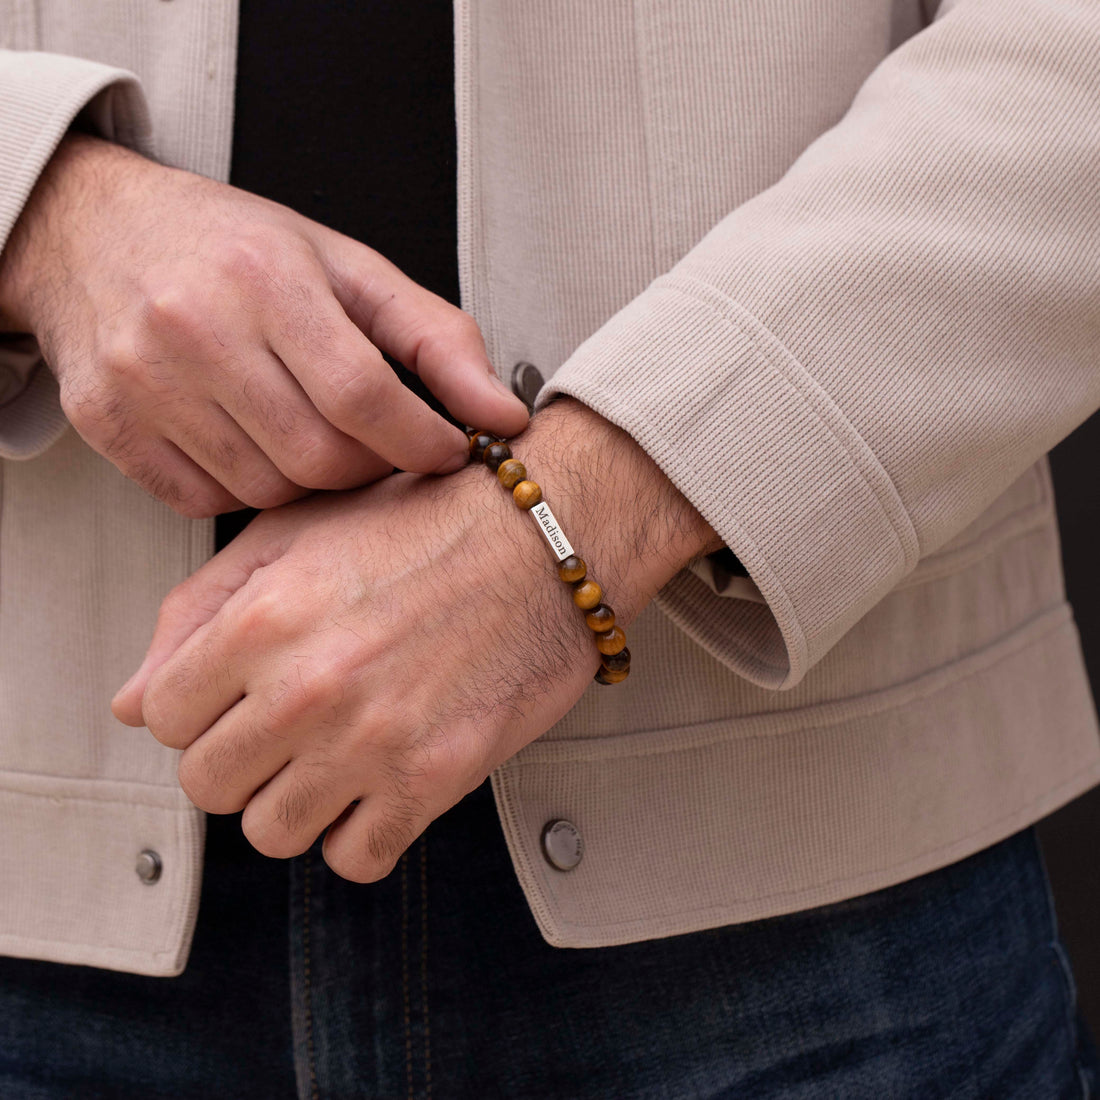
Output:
(572, 569)
(511, 472)
(611, 642)
(527, 494)
(616, 662)
(600, 618)
(478, 442)
(606, 676)
(586, 594)
(495, 454)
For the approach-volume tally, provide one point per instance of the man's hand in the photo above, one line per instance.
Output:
(221, 349)
(366, 659)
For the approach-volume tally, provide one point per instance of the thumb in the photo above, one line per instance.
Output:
(430, 336)
(195, 601)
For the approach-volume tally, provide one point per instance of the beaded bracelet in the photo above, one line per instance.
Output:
(587, 593)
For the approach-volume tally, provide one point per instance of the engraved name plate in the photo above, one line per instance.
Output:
(544, 520)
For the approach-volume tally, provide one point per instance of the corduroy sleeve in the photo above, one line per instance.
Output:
(850, 367)
(40, 96)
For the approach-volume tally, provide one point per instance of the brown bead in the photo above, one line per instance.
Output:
(586, 594)
(572, 569)
(495, 454)
(511, 472)
(527, 494)
(616, 662)
(600, 618)
(478, 442)
(611, 642)
(606, 676)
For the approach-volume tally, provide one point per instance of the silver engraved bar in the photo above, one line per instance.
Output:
(544, 520)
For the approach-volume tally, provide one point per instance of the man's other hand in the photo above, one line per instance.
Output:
(223, 350)
(363, 660)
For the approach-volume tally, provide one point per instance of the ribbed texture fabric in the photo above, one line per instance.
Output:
(873, 349)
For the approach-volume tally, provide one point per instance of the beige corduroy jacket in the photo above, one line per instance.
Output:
(835, 266)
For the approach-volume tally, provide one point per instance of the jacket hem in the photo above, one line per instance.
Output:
(73, 892)
(806, 807)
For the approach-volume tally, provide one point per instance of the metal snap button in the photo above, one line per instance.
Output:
(148, 867)
(562, 844)
(526, 382)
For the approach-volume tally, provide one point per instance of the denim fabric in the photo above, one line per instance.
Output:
(435, 983)
(218, 1032)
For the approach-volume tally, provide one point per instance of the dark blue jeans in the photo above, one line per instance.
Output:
(435, 983)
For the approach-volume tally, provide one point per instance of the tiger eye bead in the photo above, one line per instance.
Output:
(495, 454)
(572, 569)
(586, 594)
(606, 676)
(616, 662)
(600, 618)
(611, 642)
(511, 472)
(478, 442)
(527, 494)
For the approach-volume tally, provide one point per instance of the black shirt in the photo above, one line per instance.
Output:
(345, 112)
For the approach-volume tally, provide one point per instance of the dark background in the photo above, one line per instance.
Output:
(1071, 837)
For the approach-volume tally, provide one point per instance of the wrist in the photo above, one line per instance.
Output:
(623, 516)
(34, 263)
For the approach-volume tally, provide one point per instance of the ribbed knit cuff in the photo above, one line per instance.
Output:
(40, 95)
(766, 458)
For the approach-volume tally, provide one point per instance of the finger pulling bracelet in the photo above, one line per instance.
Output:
(587, 593)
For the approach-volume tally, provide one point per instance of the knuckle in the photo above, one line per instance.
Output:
(177, 603)
(318, 462)
(460, 329)
(270, 836)
(358, 866)
(466, 327)
(119, 362)
(173, 311)
(387, 839)
(246, 258)
(308, 693)
(268, 491)
(197, 503)
(153, 480)
(200, 781)
(454, 330)
(97, 411)
(268, 614)
(160, 714)
(355, 398)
